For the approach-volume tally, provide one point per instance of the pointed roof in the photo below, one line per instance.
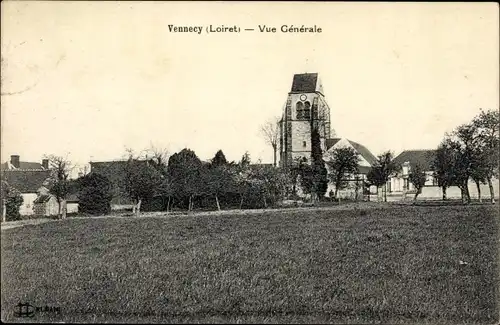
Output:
(26, 181)
(24, 165)
(306, 83)
(362, 150)
(423, 157)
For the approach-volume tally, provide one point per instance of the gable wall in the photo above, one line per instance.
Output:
(342, 143)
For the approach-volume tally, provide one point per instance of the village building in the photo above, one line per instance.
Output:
(31, 180)
(400, 187)
(355, 183)
(306, 109)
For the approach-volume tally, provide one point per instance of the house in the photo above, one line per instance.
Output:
(367, 159)
(27, 178)
(356, 181)
(46, 205)
(31, 179)
(399, 184)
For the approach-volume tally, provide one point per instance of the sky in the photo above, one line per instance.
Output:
(106, 76)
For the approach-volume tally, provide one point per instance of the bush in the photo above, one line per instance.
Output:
(13, 202)
(95, 194)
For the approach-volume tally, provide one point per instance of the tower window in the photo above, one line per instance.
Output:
(300, 110)
(304, 144)
(307, 110)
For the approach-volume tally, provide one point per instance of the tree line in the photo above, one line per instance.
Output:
(183, 181)
(469, 152)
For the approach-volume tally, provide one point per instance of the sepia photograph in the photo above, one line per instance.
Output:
(250, 162)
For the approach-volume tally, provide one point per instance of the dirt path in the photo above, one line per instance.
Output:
(162, 214)
(22, 223)
(349, 206)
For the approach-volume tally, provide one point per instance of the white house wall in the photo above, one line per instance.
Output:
(26, 209)
(435, 192)
(72, 207)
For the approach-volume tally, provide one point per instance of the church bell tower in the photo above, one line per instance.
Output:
(305, 110)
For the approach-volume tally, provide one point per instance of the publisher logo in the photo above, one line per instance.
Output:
(26, 310)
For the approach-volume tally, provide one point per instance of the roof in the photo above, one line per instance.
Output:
(422, 157)
(331, 142)
(305, 82)
(23, 165)
(44, 198)
(362, 150)
(25, 181)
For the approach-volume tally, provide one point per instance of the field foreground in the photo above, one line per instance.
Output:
(403, 264)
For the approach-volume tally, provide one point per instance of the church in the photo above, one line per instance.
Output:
(305, 109)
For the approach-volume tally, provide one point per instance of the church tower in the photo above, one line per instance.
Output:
(305, 110)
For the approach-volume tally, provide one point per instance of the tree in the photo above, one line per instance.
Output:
(466, 150)
(472, 149)
(417, 177)
(487, 125)
(306, 178)
(318, 168)
(270, 182)
(375, 177)
(166, 190)
(460, 173)
(4, 186)
(479, 174)
(158, 158)
(442, 167)
(270, 131)
(245, 160)
(295, 171)
(219, 159)
(185, 170)
(380, 172)
(141, 181)
(218, 176)
(343, 162)
(12, 204)
(11, 201)
(59, 181)
(95, 194)
(241, 181)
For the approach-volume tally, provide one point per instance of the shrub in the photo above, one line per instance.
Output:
(95, 194)
(13, 202)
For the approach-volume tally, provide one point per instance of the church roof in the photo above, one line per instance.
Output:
(362, 150)
(422, 157)
(305, 82)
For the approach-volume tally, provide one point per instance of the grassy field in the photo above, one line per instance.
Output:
(401, 264)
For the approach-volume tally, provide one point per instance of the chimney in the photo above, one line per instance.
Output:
(14, 160)
(45, 163)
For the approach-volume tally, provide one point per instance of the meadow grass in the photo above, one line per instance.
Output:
(398, 264)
